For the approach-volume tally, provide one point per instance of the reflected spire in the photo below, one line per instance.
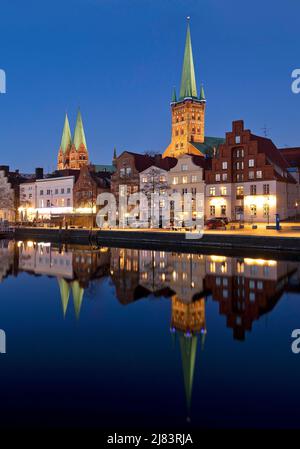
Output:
(77, 297)
(64, 294)
(188, 349)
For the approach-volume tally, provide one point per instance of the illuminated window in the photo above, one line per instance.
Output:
(223, 190)
(184, 179)
(240, 266)
(194, 178)
(144, 179)
(253, 210)
(237, 139)
(224, 267)
(266, 210)
(175, 180)
(240, 190)
(251, 163)
(259, 174)
(224, 177)
(212, 191)
(162, 178)
(218, 177)
(212, 267)
(224, 165)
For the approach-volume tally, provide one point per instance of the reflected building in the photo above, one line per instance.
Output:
(246, 288)
(44, 259)
(7, 258)
(124, 272)
(74, 267)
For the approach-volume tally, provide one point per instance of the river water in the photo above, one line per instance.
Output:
(115, 338)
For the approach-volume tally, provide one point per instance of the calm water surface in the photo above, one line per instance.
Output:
(137, 338)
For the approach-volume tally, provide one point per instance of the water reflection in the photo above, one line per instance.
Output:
(244, 288)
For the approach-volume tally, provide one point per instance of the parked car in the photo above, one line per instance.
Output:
(216, 223)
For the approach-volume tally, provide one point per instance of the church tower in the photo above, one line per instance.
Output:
(73, 154)
(188, 111)
(65, 146)
(79, 154)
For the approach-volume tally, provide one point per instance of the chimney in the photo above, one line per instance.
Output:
(39, 173)
(4, 168)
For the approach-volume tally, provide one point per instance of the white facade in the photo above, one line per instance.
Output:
(257, 201)
(46, 197)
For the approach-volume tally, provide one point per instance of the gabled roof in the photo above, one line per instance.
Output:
(291, 155)
(144, 161)
(267, 147)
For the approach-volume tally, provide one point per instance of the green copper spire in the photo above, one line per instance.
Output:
(64, 294)
(66, 140)
(79, 136)
(174, 96)
(188, 81)
(77, 297)
(188, 347)
(202, 94)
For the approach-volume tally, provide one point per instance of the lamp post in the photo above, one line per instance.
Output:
(296, 209)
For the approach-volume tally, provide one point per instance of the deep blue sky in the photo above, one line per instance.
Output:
(118, 61)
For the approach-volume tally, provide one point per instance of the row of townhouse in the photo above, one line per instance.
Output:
(66, 195)
(247, 178)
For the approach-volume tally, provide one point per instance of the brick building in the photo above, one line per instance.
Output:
(89, 185)
(73, 153)
(250, 179)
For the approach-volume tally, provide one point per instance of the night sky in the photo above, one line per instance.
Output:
(119, 60)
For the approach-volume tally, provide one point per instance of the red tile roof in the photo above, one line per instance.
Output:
(144, 161)
(292, 155)
(273, 154)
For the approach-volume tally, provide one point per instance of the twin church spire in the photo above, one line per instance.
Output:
(73, 153)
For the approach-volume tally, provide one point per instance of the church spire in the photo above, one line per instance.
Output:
(188, 348)
(202, 94)
(188, 81)
(66, 140)
(174, 96)
(79, 135)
